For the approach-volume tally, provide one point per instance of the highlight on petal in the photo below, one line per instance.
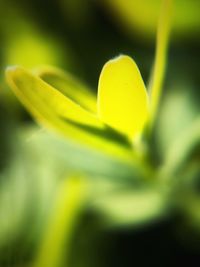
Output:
(56, 111)
(122, 96)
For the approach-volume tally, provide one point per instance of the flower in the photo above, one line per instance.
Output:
(121, 108)
(122, 102)
(113, 122)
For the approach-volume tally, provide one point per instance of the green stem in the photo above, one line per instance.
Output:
(56, 241)
(158, 74)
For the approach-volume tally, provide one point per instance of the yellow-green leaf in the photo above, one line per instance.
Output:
(54, 110)
(122, 207)
(122, 96)
(158, 74)
(69, 202)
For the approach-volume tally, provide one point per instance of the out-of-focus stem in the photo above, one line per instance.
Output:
(56, 240)
(156, 82)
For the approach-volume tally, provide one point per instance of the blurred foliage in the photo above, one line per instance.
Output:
(127, 212)
(142, 17)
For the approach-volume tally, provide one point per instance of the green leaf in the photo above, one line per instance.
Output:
(183, 150)
(121, 207)
(78, 159)
(177, 113)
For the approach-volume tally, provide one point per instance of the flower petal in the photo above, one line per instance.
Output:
(56, 111)
(43, 97)
(69, 86)
(122, 96)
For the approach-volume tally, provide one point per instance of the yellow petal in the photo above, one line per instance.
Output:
(43, 97)
(122, 96)
(69, 86)
(56, 111)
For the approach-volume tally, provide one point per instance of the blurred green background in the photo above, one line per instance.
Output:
(117, 228)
